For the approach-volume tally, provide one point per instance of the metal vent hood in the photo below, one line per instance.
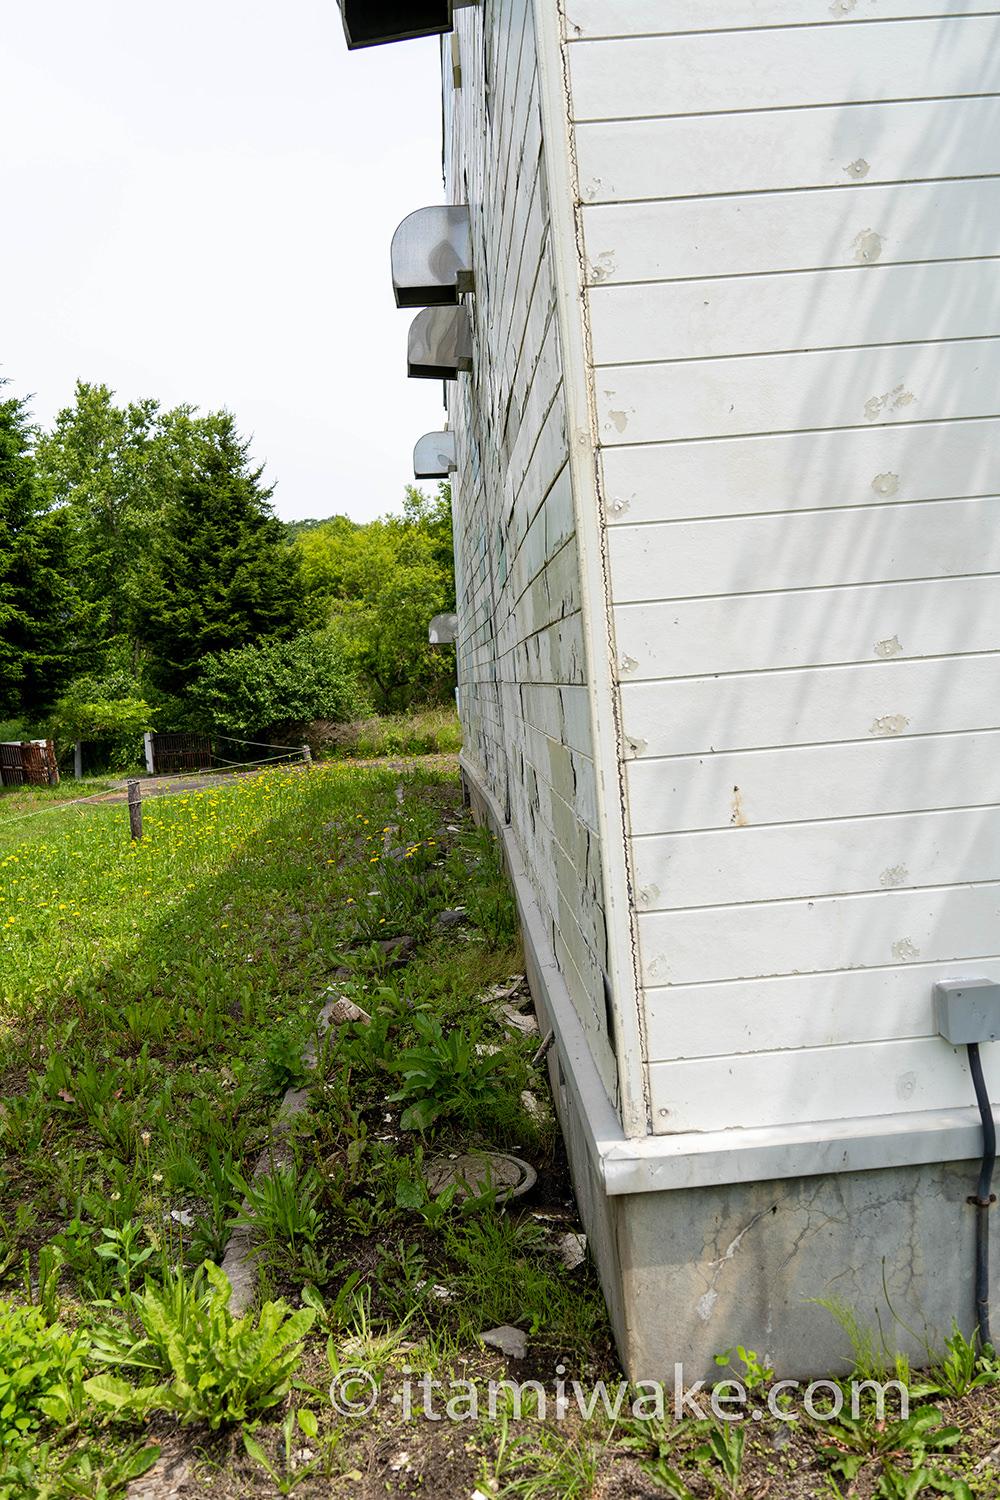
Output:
(439, 344)
(442, 630)
(430, 256)
(368, 23)
(434, 456)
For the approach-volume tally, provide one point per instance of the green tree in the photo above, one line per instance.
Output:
(276, 684)
(37, 597)
(116, 469)
(381, 584)
(220, 573)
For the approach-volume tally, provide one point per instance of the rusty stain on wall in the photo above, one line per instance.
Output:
(739, 817)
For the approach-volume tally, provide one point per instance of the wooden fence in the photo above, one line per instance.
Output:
(28, 763)
(180, 752)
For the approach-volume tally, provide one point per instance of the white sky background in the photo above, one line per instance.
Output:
(196, 204)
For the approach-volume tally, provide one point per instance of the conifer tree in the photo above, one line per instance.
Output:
(37, 598)
(221, 574)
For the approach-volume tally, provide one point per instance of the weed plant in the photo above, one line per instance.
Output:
(157, 998)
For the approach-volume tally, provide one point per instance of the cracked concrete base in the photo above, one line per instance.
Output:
(700, 1270)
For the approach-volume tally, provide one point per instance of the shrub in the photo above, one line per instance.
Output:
(39, 1366)
(260, 688)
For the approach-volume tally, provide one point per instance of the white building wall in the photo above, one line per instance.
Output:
(523, 661)
(789, 213)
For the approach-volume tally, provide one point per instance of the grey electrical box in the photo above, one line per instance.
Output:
(968, 1010)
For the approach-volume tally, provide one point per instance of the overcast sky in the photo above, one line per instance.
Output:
(197, 201)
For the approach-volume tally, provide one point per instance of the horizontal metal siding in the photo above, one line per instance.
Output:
(790, 217)
(521, 646)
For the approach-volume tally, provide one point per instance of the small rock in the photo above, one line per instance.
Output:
(782, 1437)
(398, 951)
(572, 1250)
(345, 1010)
(440, 1292)
(399, 1462)
(506, 991)
(526, 1025)
(454, 918)
(510, 1341)
(533, 1106)
(183, 1217)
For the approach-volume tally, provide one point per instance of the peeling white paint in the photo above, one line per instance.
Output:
(858, 169)
(885, 484)
(889, 724)
(895, 875)
(904, 951)
(603, 266)
(868, 247)
(889, 647)
(877, 406)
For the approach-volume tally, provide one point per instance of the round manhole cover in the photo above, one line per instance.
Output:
(480, 1170)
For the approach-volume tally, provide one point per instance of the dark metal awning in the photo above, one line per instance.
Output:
(368, 23)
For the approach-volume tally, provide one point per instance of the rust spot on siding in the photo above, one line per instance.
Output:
(739, 817)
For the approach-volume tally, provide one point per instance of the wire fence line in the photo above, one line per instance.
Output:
(247, 765)
(232, 739)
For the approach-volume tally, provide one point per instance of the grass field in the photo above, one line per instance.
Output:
(155, 1003)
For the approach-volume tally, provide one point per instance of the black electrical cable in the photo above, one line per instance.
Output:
(984, 1197)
